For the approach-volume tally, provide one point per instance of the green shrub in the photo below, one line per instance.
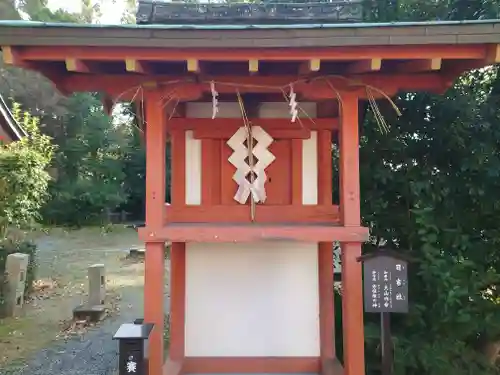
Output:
(23, 175)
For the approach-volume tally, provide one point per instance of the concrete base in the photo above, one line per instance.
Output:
(136, 253)
(90, 313)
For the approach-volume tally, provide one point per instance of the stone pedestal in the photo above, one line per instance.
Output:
(16, 269)
(97, 285)
(94, 310)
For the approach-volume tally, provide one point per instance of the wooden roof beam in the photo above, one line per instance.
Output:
(253, 66)
(10, 56)
(421, 65)
(118, 83)
(207, 127)
(365, 66)
(137, 66)
(193, 66)
(309, 67)
(493, 54)
(348, 53)
(77, 66)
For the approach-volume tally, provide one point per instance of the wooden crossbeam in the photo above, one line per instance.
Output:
(365, 66)
(77, 66)
(316, 90)
(225, 127)
(253, 66)
(311, 66)
(423, 65)
(137, 66)
(193, 65)
(55, 53)
(493, 54)
(10, 56)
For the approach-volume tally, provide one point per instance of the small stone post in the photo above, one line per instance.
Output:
(16, 269)
(97, 285)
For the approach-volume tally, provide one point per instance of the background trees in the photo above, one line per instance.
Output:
(428, 189)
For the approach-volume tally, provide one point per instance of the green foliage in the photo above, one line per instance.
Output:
(88, 164)
(430, 189)
(134, 169)
(23, 175)
(8, 10)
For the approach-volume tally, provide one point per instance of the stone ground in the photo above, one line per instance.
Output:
(43, 342)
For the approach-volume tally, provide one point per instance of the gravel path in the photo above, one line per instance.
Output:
(95, 353)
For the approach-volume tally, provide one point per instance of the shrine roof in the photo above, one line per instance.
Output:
(116, 58)
(30, 33)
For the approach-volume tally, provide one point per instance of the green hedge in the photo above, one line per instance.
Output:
(9, 246)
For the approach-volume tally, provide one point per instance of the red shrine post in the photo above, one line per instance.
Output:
(250, 114)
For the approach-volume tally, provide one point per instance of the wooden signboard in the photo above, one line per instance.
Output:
(385, 284)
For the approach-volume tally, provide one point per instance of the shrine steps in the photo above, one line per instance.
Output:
(328, 367)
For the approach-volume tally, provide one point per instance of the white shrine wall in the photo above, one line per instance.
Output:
(251, 299)
(193, 169)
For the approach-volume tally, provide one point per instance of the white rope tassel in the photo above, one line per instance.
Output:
(293, 104)
(215, 100)
(245, 188)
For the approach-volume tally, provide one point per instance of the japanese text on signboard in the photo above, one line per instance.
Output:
(385, 284)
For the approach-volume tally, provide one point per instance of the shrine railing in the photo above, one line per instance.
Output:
(259, 12)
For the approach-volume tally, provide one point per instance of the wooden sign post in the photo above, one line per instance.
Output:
(132, 347)
(385, 282)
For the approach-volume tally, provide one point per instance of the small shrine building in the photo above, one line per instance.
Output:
(251, 112)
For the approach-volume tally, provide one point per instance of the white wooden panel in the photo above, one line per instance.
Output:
(193, 169)
(252, 299)
(310, 169)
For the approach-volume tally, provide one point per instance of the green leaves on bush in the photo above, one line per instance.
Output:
(23, 175)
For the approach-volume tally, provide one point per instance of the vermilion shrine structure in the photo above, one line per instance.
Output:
(251, 219)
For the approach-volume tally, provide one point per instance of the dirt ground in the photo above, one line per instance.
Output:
(63, 258)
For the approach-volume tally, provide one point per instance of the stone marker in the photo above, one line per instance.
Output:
(97, 285)
(16, 269)
(94, 310)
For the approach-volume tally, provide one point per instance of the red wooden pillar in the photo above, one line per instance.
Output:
(177, 257)
(155, 209)
(352, 284)
(325, 256)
